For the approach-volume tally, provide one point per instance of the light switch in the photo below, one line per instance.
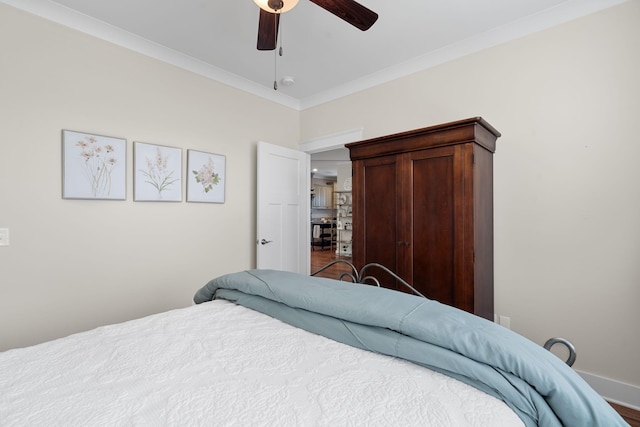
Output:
(4, 237)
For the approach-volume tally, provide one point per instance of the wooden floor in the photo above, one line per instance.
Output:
(320, 258)
(630, 415)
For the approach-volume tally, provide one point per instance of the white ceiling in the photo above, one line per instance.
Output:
(327, 57)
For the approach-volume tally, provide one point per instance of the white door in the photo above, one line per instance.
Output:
(283, 209)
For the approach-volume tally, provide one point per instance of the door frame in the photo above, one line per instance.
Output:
(326, 143)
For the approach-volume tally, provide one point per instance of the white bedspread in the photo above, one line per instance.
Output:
(218, 364)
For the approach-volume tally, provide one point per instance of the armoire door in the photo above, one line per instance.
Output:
(376, 214)
(433, 201)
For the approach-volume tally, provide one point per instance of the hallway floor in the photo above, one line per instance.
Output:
(320, 258)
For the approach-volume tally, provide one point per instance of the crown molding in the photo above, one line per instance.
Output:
(101, 30)
(567, 11)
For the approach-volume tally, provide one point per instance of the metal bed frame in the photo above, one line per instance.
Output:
(362, 278)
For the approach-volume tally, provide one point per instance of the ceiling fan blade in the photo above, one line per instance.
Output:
(351, 11)
(268, 30)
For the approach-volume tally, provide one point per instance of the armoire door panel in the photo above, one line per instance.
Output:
(433, 231)
(376, 213)
(433, 227)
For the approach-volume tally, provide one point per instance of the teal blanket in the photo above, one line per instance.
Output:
(537, 385)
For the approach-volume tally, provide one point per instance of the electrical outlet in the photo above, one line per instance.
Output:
(505, 321)
(4, 237)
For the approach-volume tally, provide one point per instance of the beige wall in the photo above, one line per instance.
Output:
(567, 184)
(76, 264)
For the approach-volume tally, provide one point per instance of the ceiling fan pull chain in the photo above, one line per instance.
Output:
(275, 64)
(275, 71)
(280, 51)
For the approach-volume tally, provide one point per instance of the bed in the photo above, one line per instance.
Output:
(263, 347)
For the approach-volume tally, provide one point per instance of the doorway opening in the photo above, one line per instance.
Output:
(331, 221)
(329, 158)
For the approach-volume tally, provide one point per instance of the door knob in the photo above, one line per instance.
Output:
(264, 242)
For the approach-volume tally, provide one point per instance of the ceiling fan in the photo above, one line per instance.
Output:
(348, 10)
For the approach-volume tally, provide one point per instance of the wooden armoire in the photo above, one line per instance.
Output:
(423, 207)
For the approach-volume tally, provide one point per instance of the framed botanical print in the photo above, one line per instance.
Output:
(93, 166)
(206, 177)
(157, 173)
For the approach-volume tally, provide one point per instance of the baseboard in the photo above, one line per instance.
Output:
(614, 391)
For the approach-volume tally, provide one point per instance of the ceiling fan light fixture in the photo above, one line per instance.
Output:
(276, 6)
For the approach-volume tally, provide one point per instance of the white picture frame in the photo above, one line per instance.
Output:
(157, 173)
(206, 177)
(93, 166)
